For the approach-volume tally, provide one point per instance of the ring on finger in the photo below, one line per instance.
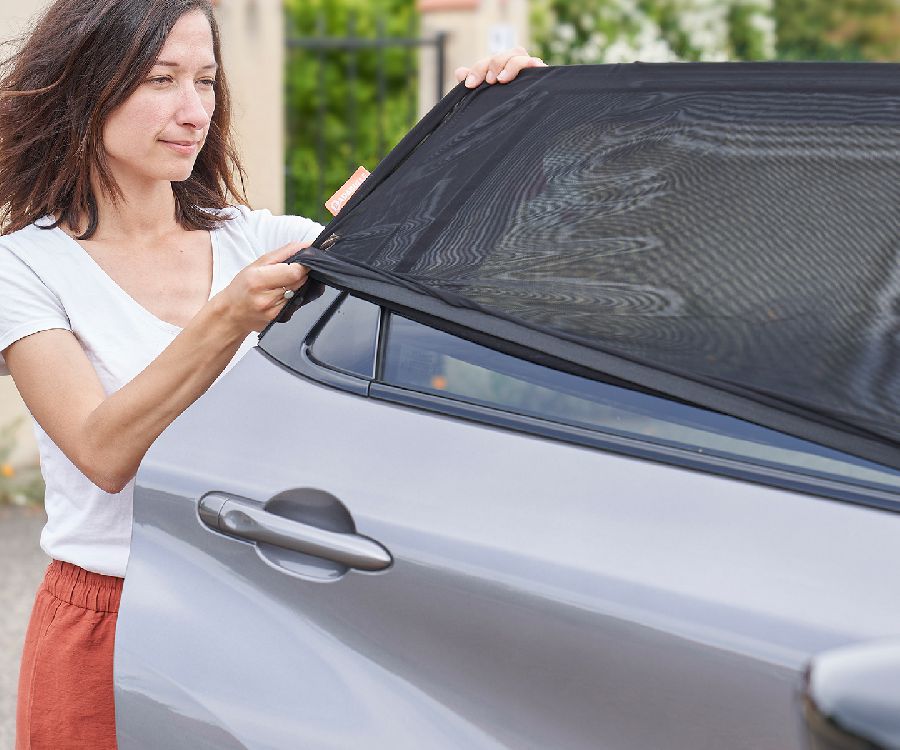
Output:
(288, 293)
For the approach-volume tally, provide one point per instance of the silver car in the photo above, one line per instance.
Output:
(437, 528)
(371, 533)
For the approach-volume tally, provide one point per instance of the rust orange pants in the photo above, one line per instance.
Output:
(65, 699)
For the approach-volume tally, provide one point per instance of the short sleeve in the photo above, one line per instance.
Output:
(270, 232)
(27, 305)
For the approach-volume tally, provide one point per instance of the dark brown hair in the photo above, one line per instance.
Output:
(82, 60)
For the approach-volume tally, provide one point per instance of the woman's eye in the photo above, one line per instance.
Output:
(208, 82)
(159, 80)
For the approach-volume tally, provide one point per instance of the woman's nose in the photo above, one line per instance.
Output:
(192, 111)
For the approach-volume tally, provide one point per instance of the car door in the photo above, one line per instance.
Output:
(359, 538)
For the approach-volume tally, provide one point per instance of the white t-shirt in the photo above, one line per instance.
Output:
(47, 280)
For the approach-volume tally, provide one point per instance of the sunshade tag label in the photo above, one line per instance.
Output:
(337, 201)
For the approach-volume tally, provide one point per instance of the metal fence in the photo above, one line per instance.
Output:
(315, 133)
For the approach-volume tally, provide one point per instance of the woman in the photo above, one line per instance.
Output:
(128, 283)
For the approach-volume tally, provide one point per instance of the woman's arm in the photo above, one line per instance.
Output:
(106, 437)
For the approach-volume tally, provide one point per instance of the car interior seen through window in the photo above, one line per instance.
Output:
(423, 359)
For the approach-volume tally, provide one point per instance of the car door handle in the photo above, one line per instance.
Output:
(245, 519)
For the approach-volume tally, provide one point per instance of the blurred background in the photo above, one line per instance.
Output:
(324, 86)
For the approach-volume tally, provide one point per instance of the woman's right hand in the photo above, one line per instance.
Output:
(256, 295)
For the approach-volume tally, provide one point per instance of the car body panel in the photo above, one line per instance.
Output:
(542, 594)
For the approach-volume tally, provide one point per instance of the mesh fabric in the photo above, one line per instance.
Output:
(724, 234)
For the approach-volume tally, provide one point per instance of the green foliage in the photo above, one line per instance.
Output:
(747, 38)
(20, 485)
(838, 29)
(334, 122)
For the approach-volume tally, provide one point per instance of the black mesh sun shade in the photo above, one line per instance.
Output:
(724, 234)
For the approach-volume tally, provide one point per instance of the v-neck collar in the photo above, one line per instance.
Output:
(171, 327)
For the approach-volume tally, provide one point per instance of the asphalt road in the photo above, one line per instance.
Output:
(22, 565)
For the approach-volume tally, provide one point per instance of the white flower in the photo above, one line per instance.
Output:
(704, 23)
(565, 32)
(619, 52)
(597, 39)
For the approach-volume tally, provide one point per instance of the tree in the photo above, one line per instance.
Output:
(838, 29)
(334, 120)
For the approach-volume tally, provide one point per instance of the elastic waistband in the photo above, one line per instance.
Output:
(83, 588)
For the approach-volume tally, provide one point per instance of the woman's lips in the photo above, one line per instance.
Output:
(187, 148)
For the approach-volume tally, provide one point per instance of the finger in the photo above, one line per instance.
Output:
(279, 276)
(476, 73)
(296, 274)
(499, 61)
(301, 280)
(282, 253)
(461, 74)
(288, 292)
(281, 296)
(516, 64)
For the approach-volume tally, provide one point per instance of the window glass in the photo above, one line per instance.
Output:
(349, 337)
(431, 361)
(283, 339)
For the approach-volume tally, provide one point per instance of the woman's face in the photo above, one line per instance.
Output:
(157, 132)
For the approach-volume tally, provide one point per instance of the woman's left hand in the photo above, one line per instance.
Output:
(501, 68)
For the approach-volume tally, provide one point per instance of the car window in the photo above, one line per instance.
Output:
(348, 339)
(283, 339)
(430, 361)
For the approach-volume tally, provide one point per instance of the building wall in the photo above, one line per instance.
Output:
(253, 56)
(253, 49)
(475, 29)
